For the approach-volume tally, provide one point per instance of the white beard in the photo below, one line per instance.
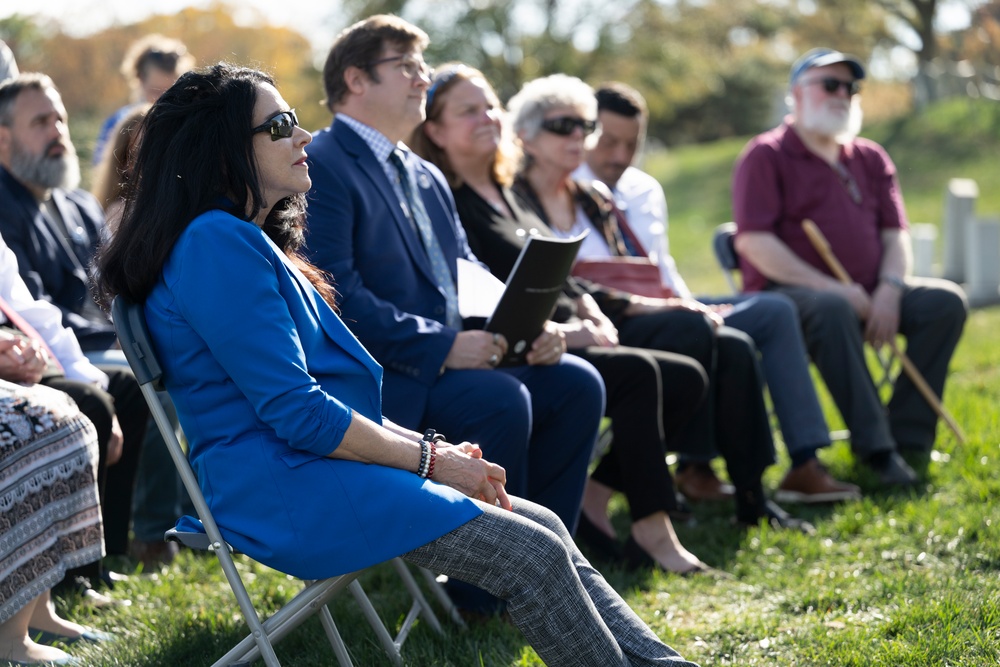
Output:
(45, 172)
(827, 120)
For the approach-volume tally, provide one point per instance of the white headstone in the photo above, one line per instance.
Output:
(923, 236)
(959, 209)
(983, 255)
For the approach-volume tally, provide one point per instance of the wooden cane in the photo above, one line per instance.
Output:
(822, 246)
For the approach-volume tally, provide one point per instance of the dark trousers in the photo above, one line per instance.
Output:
(733, 419)
(651, 395)
(116, 483)
(932, 315)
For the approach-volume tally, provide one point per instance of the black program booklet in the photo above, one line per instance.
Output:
(530, 295)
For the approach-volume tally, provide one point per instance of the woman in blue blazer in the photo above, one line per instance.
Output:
(281, 404)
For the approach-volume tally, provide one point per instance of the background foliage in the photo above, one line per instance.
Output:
(708, 68)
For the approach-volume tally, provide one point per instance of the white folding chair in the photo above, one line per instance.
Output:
(723, 244)
(134, 337)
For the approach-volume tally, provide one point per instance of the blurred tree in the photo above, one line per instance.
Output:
(705, 67)
(87, 69)
(24, 36)
(910, 24)
(975, 52)
(708, 68)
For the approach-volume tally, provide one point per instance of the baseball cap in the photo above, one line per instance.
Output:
(821, 57)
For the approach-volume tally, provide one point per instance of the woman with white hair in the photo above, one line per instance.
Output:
(555, 118)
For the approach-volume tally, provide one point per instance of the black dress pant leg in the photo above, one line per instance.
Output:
(650, 395)
(132, 412)
(933, 314)
(733, 419)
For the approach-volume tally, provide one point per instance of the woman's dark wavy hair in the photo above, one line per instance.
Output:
(196, 154)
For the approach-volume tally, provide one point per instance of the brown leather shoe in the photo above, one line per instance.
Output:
(811, 483)
(153, 555)
(698, 483)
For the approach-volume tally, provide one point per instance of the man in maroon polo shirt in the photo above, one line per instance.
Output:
(815, 167)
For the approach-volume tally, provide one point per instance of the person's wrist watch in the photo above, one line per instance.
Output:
(894, 281)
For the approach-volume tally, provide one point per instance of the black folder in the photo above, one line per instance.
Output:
(530, 295)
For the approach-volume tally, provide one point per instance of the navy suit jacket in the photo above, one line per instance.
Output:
(360, 234)
(55, 267)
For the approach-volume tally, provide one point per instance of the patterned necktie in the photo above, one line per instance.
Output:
(418, 214)
(22, 325)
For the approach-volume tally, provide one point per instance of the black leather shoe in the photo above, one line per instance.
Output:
(892, 470)
(771, 513)
(597, 541)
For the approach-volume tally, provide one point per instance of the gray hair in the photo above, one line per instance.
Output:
(11, 89)
(528, 107)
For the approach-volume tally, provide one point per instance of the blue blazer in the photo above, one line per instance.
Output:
(359, 233)
(53, 266)
(266, 379)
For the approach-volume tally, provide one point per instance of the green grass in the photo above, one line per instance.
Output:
(907, 579)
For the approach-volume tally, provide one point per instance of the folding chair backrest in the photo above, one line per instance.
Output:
(725, 252)
(130, 324)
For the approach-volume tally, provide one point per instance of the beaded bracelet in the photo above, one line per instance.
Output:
(424, 455)
(428, 453)
(431, 459)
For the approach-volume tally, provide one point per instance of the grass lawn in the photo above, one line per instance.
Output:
(909, 579)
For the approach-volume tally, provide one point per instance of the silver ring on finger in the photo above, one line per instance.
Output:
(494, 359)
(496, 339)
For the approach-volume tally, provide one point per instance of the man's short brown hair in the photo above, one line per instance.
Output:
(361, 44)
(11, 89)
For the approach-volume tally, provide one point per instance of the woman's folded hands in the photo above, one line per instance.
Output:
(463, 468)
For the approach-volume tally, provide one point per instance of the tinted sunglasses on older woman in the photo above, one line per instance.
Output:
(565, 125)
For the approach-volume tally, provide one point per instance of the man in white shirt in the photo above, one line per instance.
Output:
(771, 322)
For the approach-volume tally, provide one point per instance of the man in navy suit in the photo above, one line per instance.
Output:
(53, 230)
(392, 257)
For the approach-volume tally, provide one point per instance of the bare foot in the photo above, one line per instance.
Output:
(44, 617)
(655, 534)
(596, 497)
(28, 651)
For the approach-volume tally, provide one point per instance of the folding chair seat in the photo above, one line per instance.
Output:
(204, 535)
(724, 247)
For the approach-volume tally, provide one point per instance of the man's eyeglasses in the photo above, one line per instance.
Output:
(564, 125)
(832, 85)
(281, 126)
(411, 65)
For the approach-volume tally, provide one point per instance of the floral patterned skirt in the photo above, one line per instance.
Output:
(50, 516)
